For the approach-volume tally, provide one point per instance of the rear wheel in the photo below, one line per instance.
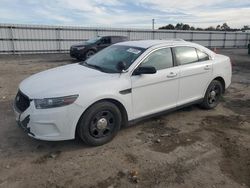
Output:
(213, 95)
(100, 123)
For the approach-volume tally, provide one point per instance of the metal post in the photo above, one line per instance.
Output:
(153, 24)
(235, 39)
(224, 42)
(12, 39)
(210, 40)
(96, 32)
(58, 37)
(153, 35)
(128, 34)
(192, 36)
(247, 39)
(153, 28)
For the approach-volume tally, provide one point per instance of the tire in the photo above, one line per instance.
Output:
(100, 123)
(89, 54)
(213, 95)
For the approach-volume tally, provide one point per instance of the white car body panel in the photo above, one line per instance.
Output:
(154, 92)
(193, 80)
(150, 94)
(222, 69)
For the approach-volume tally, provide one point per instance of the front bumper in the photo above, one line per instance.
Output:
(75, 53)
(52, 124)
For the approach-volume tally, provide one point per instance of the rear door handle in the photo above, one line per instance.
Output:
(171, 75)
(207, 67)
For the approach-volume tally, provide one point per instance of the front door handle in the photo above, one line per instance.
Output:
(171, 75)
(207, 67)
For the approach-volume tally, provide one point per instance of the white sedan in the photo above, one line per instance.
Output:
(121, 84)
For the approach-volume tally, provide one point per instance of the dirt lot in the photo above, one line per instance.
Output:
(187, 148)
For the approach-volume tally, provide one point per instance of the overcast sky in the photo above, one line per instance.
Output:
(130, 13)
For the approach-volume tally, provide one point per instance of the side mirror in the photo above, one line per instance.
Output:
(144, 70)
(121, 66)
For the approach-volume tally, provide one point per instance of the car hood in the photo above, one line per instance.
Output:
(62, 81)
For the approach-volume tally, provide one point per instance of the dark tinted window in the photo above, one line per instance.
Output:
(160, 59)
(93, 40)
(202, 56)
(118, 39)
(186, 55)
(108, 58)
(106, 40)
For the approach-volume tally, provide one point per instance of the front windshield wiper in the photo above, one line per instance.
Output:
(92, 66)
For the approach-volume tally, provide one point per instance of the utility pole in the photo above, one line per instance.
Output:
(153, 24)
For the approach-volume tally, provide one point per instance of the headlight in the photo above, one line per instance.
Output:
(54, 102)
(80, 48)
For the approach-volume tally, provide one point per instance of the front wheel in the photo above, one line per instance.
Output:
(213, 95)
(100, 123)
(89, 54)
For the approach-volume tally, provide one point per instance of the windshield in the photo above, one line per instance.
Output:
(107, 59)
(94, 40)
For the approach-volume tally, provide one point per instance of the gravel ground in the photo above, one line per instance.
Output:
(187, 148)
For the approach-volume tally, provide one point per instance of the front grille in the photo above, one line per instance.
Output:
(73, 51)
(22, 102)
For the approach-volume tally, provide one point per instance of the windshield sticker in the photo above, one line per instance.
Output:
(134, 51)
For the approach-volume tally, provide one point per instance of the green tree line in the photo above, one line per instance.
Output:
(223, 27)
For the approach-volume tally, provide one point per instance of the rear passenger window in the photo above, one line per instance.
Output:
(106, 40)
(186, 55)
(202, 56)
(117, 39)
(114, 40)
(160, 59)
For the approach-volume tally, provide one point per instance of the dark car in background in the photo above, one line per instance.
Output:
(90, 47)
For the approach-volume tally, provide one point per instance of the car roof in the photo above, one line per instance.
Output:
(146, 44)
(150, 43)
(114, 36)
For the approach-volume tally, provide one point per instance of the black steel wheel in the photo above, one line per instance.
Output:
(213, 95)
(90, 53)
(100, 123)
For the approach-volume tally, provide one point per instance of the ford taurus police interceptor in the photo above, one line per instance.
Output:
(119, 85)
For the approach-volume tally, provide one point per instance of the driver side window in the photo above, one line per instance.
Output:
(160, 59)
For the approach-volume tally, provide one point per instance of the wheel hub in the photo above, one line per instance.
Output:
(90, 54)
(102, 124)
(212, 94)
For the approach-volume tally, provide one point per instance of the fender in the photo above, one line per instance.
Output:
(127, 107)
(214, 77)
